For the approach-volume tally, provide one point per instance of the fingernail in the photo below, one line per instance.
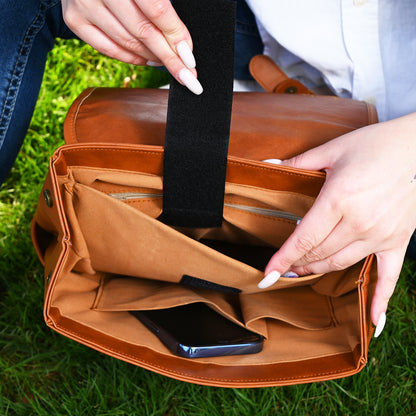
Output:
(153, 63)
(274, 161)
(380, 324)
(185, 53)
(290, 274)
(190, 81)
(269, 280)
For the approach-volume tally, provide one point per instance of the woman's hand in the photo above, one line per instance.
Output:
(367, 205)
(141, 32)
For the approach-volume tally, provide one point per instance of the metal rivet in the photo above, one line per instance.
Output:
(291, 90)
(48, 277)
(47, 196)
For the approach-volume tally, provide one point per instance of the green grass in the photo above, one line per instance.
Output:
(43, 373)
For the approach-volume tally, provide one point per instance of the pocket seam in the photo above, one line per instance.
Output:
(99, 294)
(331, 309)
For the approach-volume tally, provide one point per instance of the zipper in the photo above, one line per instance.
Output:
(266, 211)
(125, 196)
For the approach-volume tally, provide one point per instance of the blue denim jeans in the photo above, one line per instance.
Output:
(27, 31)
(247, 41)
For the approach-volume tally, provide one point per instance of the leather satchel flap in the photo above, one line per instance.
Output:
(263, 126)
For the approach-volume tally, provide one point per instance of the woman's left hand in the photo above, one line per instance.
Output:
(367, 205)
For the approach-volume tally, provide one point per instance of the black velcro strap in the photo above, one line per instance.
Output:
(198, 127)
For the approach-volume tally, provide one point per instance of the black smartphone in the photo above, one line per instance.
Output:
(195, 331)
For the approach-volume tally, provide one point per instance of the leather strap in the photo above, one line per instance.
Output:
(273, 79)
(198, 127)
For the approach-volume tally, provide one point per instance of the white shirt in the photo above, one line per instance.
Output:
(364, 49)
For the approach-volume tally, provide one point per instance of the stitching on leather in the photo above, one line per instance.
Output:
(140, 201)
(75, 116)
(109, 149)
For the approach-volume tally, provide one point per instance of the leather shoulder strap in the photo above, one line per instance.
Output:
(265, 71)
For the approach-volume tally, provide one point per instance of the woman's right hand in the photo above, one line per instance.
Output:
(140, 32)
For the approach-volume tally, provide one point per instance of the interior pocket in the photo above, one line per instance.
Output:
(120, 293)
(336, 284)
(301, 307)
(273, 230)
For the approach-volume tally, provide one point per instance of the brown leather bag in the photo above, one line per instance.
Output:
(317, 327)
(105, 251)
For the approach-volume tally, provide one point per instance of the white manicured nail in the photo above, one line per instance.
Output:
(269, 280)
(290, 274)
(190, 81)
(380, 325)
(185, 53)
(274, 161)
(152, 63)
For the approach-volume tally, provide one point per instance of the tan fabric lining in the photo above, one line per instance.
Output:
(109, 236)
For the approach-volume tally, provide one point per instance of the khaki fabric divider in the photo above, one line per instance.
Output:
(114, 213)
(76, 294)
(114, 181)
(115, 233)
(114, 228)
(315, 312)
